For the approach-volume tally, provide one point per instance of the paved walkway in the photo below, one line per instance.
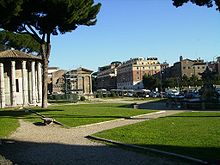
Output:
(52, 145)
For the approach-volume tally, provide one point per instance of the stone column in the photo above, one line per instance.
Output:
(90, 84)
(39, 81)
(13, 84)
(2, 86)
(24, 83)
(33, 77)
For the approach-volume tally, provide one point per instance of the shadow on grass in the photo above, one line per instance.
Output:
(157, 105)
(198, 116)
(25, 153)
(208, 154)
(22, 113)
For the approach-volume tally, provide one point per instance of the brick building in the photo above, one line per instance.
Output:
(187, 67)
(130, 73)
(55, 80)
(107, 76)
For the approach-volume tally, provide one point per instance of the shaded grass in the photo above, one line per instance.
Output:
(75, 115)
(194, 134)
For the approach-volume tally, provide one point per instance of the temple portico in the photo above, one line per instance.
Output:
(20, 79)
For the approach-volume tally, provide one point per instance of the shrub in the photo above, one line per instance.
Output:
(64, 97)
(82, 98)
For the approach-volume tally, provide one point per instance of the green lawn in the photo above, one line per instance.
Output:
(81, 114)
(8, 121)
(196, 134)
(70, 115)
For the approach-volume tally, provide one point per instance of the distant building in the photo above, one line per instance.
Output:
(107, 76)
(214, 66)
(187, 67)
(130, 73)
(79, 81)
(55, 80)
(20, 79)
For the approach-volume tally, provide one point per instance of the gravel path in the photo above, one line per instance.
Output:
(53, 145)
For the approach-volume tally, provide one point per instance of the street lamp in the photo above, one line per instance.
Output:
(161, 83)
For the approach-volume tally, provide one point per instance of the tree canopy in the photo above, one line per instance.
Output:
(150, 82)
(208, 3)
(22, 42)
(43, 18)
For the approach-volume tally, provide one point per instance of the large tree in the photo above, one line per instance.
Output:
(22, 42)
(151, 82)
(208, 3)
(43, 18)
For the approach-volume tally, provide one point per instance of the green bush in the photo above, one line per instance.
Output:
(64, 98)
(99, 95)
(82, 98)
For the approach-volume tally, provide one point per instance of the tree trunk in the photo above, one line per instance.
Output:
(45, 56)
(44, 84)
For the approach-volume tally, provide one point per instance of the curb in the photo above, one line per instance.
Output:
(148, 149)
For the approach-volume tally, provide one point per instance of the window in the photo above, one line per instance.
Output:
(137, 68)
(17, 85)
(184, 67)
(198, 67)
(188, 67)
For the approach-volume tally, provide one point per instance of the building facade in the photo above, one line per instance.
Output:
(130, 73)
(214, 66)
(55, 80)
(187, 67)
(107, 76)
(79, 81)
(20, 79)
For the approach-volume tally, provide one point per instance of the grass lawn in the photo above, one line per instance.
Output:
(81, 114)
(70, 115)
(195, 134)
(8, 122)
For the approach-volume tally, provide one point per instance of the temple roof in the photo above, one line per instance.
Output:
(17, 54)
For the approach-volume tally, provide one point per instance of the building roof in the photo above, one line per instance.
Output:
(78, 70)
(84, 69)
(17, 54)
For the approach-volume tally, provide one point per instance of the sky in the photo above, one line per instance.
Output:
(140, 28)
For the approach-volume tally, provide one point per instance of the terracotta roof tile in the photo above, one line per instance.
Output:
(17, 54)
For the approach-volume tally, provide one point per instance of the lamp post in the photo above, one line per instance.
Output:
(161, 83)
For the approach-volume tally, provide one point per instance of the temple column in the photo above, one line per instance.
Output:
(24, 83)
(39, 81)
(13, 84)
(33, 77)
(90, 84)
(2, 86)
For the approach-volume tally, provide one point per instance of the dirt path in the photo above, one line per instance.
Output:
(56, 145)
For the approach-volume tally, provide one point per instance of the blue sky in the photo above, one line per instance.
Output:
(140, 28)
